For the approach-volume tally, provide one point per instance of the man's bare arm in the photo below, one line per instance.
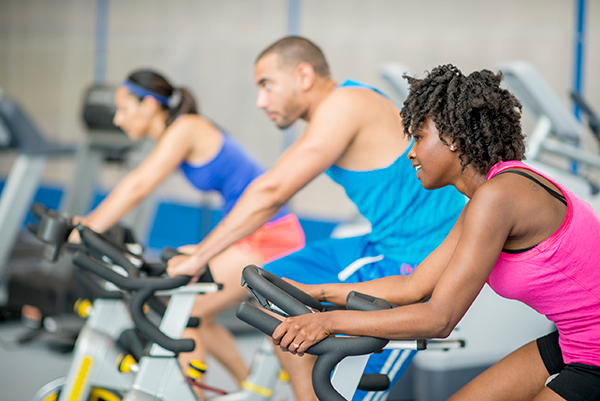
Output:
(326, 138)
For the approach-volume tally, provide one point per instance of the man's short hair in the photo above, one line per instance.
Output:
(293, 50)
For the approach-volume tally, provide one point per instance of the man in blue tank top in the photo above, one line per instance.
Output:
(354, 135)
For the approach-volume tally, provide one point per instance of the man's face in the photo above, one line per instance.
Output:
(278, 90)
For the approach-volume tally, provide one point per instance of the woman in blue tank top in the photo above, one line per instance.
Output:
(149, 106)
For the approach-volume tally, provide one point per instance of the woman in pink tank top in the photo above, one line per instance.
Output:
(527, 236)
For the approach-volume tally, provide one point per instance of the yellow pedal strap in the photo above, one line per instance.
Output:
(263, 391)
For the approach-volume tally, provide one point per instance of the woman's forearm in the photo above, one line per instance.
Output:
(395, 289)
(418, 321)
(406, 322)
(120, 201)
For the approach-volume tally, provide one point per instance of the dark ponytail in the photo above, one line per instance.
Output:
(179, 100)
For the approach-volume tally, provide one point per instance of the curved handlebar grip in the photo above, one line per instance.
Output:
(93, 287)
(153, 333)
(87, 263)
(144, 288)
(330, 351)
(130, 284)
(291, 290)
(168, 253)
(257, 318)
(255, 279)
(155, 269)
(38, 210)
(104, 247)
(363, 302)
(131, 341)
(53, 229)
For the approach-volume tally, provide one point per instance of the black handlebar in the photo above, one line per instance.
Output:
(359, 301)
(257, 318)
(136, 305)
(267, 287)
(94, 288)
(143, 289)
(53, 229)
(104, 248)
(330, 351)
(168, 253)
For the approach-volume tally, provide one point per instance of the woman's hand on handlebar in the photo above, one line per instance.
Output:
(185, 265)
(298, 333)
(74, 237)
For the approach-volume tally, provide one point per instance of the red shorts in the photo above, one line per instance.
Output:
(275, 239)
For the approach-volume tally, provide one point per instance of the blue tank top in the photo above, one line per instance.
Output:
(229, 173)
(408, 222)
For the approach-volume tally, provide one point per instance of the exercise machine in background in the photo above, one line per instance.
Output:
(19, 133)
(48, 289)
(104, 142)
(559, 145)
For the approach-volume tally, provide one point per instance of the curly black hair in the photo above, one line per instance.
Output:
(473, 112)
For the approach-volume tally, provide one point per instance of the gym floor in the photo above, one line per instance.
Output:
(26, 368)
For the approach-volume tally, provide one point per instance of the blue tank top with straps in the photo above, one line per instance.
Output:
(408, 222)
(229, 172)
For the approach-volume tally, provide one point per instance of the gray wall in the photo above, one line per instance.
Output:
(47, 58)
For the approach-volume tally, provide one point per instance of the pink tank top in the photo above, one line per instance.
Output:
(560, 277)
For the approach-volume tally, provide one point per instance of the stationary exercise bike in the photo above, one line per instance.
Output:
(345, 356)
(110, 330)
(157, 374)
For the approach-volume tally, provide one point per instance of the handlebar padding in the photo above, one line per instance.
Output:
(38, 210)
(330, 351)
(257, 318)
(275, 290)
(144, 288)
(136, 305)
(168, 253)
(363, 302)
(131, 342)
(53, 229)
(155, 269)
(99, 269)
(94, 288)
(290, 289)
(374, 382)
(99, 244)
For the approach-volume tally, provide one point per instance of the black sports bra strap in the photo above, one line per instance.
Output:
(552, 192)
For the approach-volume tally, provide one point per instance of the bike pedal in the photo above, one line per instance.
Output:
(126, 363)
(82, 307)
(196, 369)
(284, 376)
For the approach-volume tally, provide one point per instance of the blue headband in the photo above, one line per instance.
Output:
(142, 93)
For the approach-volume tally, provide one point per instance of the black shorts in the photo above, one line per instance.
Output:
(575, 381)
